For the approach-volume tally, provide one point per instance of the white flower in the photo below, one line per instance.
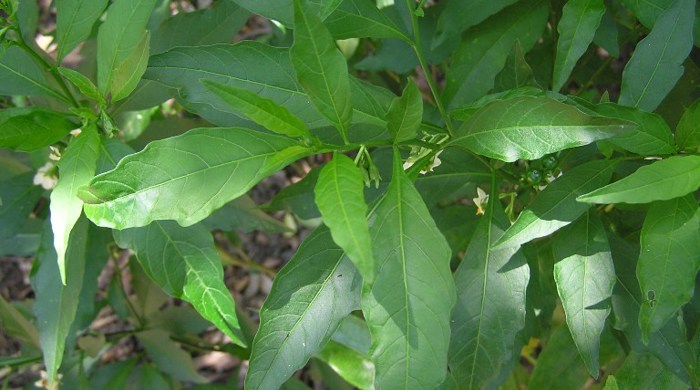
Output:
(482, 198)
(75, 132)
(46, 176)
(55, 154)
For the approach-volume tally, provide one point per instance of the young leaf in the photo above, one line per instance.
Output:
(312, 294)
(585, 278)
(84, 84)
(321, 69)
(413, 291)
(661, 180)
(76, 167)
(657, 62)
(528, 128)
(339, 194)
(405, 113)
(28, 129)
(556, 206)
(483, 54)
(265, 112)
(579, 22)
(74, 22)
(490, 308)
(184, 263)
(669, 260)
(688, 130)
(120, 41)
(128, 73)
(214, 166)
(22, 74)
(362, 19)
(19, 196)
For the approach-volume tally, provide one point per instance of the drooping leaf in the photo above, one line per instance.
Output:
(490, 310)
(579, 22)
(30, 128)
(184, 263)
(669, 260)
(74, 22)
(19, 196)
(413, 290)
(321, 68)
(75, 169)
(312, 294)
(556, 206)
(339, 195)
(120, 42)
(644, 371)
(483, 53)
(84, 84)
(405, 113)
(168, 357)
(688, 129)
(585, 277)
(362, 19)
(265, 112)
(657, 62)
(661, 180)
(214, 166)
(528, 128)
(460, 15)
(22, 74)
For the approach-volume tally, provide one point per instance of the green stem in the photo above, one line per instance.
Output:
(418, 48)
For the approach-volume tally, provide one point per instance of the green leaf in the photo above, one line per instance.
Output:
(688, 129)
(556, 206)
(311, 295)
(31, 128)
(120, 45)
(339, 194)
(214, 166)
(661, 180)
(76, 167)
(346, 353)
(22, 74)
(579, 22)
(74, 22)
(517, 73)
(321, 68)
(265, 112)
(405, 113)
(19, 196)
(460, 15)
(644, 371)
(362, 19)
(168, 357)
(15, 325)
(244, 215)
(657, 62)
(530, 127)
(298, 198)
(84, 84)
(184, 263)
(648, 11)
(482, 55)
(585, 277)
(280, 10)
(409, 305)
(56, 303)
(490, 311)
(669, 260)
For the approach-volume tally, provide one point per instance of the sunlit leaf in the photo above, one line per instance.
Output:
(74, 22)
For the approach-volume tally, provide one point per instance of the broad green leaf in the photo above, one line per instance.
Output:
(75, 169)
(657, 62)
(669, 260)
(263, 111)
(490, 310)
(127, 74)
(311, 295)
(218, 24)
(56, 303)
(30, 128)
(214, 166)
(556, 206)
(362, 19)
(579, 22)
(409, 305)
(688, 129)
(19, 196)
(585, 277)
(184, 263)
(661, 180)
(84, 84)
(644, 371)
(321, 68)
(482, 55)
(168, 357)
(460, 15)
(517, 73)
(74, 22)
(22, 74)
(15, 325)
(648, 11)
(120, 41)
(530, 127)
(405, 113)
(339, 194)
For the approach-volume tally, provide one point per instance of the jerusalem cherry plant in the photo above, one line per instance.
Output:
(508, 193)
